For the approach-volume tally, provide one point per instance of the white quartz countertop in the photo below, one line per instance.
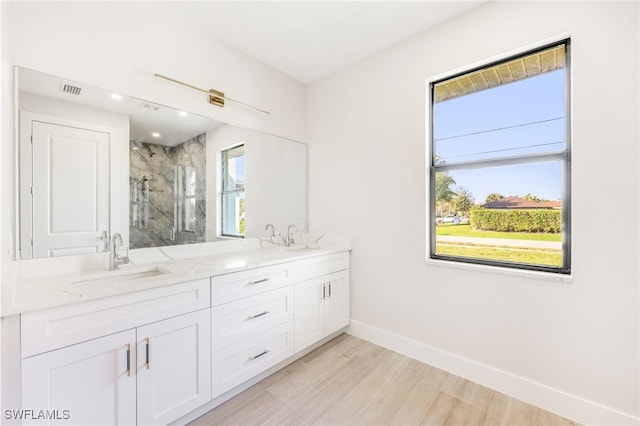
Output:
(31, 293)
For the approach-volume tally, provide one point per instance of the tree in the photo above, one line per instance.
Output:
(444, 193)
(494, 196)
(532, 198)
(463, 201)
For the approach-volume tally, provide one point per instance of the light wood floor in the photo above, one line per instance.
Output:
(349, 381)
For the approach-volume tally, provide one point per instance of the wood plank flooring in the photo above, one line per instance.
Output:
(349, 381)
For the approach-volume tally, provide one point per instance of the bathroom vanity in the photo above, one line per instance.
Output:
(197, 316)
(165, 341)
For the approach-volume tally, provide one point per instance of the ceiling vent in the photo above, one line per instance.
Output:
(72, 90)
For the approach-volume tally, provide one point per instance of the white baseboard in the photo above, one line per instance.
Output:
(553, 400)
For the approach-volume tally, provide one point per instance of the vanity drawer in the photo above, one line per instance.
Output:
(303, 270)
(49, 329)
(241, 319)
(238, 363)
(237, 285)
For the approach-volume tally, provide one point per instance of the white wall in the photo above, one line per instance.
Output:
(570, 347)
(276, 193)
(120, 45)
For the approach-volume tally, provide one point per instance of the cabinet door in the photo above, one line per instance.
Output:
(174, 367)
(336, 302)
(83, 384)
(309, 312)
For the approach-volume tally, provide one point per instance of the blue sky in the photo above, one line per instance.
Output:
(526, 116)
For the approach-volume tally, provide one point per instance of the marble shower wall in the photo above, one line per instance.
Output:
(167, 193)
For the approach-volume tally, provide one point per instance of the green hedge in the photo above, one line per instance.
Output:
(548, 221)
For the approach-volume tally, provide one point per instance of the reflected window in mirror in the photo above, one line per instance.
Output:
(232, 193)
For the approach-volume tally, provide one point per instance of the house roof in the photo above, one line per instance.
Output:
(517, 69)
(521, 203)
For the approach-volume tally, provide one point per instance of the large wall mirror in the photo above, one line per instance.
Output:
(93, 163)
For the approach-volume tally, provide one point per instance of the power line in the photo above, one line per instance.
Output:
(500, 128)
(506, 149)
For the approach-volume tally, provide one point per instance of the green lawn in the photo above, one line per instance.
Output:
(520, 255)
(466, 231)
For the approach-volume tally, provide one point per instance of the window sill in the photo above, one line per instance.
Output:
(497, 270)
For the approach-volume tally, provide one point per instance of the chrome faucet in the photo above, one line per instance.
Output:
(115, 260)
(288, 240)
(273, 230)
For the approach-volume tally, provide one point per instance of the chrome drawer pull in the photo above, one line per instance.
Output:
(257, 315)
(146, 364)
(128, 346)
(266, 351)
(258, 281)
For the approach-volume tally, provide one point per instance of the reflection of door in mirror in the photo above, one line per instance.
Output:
(69, 193)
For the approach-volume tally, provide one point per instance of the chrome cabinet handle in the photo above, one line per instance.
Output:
(266, 351)
(128, 346)
(146, 364)
(258, 281)
(324, 291)
(257, 315)
(329, 289)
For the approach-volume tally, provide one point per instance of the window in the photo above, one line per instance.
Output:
(499, 173)
(232, 194)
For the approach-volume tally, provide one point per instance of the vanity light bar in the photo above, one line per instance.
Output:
(215, 97)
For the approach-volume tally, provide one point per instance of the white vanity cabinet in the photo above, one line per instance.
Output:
(140, 358)
(321, 297)
(165, 355)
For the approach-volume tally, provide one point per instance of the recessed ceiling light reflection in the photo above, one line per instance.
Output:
(155, 134)
(116, 96)
(182, 114)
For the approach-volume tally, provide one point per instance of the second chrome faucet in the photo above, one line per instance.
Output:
(287, 240)
(115, 260)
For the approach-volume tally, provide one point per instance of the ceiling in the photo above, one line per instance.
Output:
(309, 40)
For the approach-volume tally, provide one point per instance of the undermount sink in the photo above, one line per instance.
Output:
(121, 276)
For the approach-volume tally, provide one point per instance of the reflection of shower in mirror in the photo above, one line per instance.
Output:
(169, 193)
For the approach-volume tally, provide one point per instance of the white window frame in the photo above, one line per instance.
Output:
(224, 191)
